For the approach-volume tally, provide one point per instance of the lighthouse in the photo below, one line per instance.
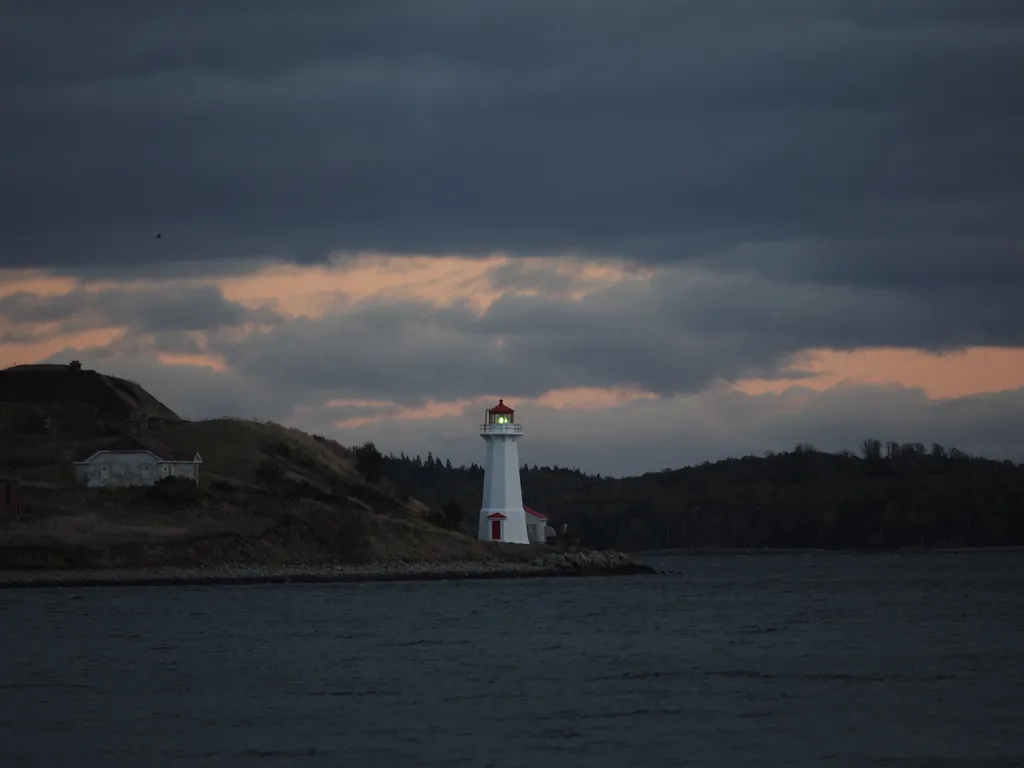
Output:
(502, 517)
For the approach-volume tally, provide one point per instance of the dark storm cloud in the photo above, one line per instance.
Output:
(158, 268)
(658, 130)
(924, 265)
(165, 308)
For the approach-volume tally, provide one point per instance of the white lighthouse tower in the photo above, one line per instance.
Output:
(502, 517)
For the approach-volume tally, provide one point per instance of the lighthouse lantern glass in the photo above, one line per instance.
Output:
(500, 414)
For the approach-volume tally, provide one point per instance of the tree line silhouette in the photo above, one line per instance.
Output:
(890, 495)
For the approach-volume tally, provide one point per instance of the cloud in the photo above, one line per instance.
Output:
(675, 331)
(419, 331)
(658, 132)
(149, 309)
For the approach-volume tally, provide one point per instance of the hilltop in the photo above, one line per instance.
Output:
(68, 399)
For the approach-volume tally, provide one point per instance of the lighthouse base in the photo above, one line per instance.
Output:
(508, 525)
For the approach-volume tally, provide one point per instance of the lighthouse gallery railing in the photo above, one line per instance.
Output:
(501, 429)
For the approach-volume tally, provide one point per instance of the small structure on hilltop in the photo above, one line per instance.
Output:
(502, 516)
(537, 527)
(134, 461)
(10, 496)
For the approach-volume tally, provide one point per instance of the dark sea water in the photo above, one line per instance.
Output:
(809, 660)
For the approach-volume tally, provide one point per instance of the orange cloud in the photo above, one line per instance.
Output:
(441, 280)
(356, 403)
(44, 284)
(955, 374)
(591, 398)
(199, 361)
(33, 281)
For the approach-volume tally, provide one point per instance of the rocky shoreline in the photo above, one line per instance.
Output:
(563, 564)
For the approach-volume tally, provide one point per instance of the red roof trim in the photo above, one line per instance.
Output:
(496, 516)
(500, 408)
(535, 513)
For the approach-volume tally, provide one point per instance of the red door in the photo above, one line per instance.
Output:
(496, 530)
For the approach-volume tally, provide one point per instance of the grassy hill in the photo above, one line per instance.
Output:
(268, 494)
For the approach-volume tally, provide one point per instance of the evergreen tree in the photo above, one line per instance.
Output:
(369, 462)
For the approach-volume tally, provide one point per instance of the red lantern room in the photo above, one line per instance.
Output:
(500, 414)
(500, 419)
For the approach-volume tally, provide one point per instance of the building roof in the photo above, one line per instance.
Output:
(500, 408)
(135, 445)
(496, 516)
(535, 513)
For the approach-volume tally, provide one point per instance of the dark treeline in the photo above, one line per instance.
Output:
(888, 496)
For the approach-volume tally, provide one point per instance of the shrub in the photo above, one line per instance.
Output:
(270, 473)
(369, 462)
(174, 491)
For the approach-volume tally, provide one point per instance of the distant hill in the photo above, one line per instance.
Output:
(69, 399)
(890, 496)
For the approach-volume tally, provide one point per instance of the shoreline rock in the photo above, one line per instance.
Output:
(552, 565)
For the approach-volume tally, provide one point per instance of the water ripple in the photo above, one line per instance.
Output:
(809, 661)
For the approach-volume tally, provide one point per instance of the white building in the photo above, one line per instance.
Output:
(502, 517)
(537, 526)
(135, 461)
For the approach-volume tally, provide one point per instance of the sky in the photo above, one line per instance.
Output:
(664, 232)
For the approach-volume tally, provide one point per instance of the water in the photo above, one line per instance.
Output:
(769, 661)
